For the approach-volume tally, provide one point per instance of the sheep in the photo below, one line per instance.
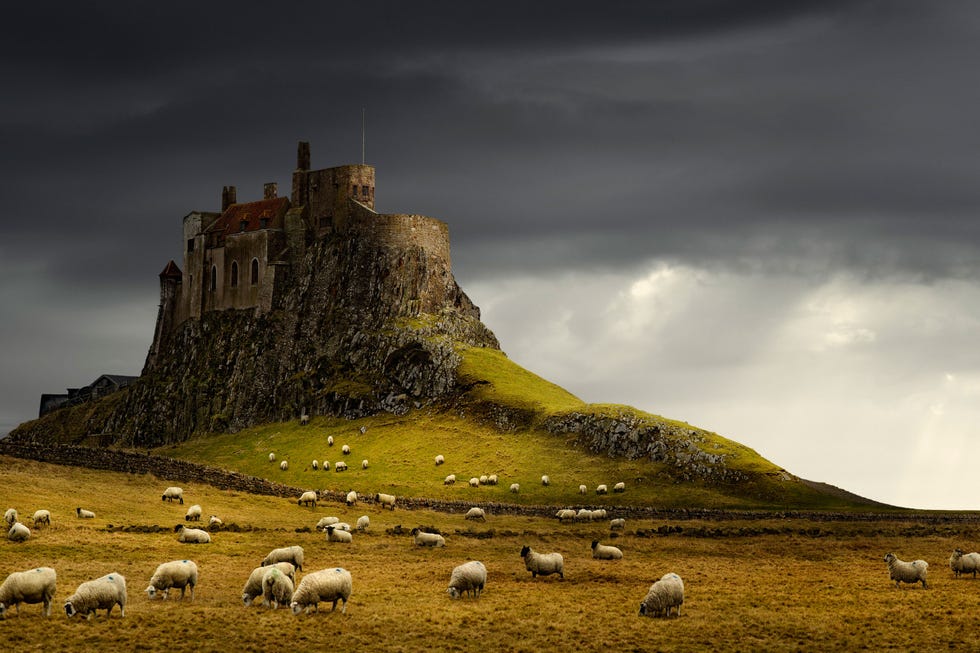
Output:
(427, 539)
(11, 517)
(191, 535)
(99, 594)
(363, 523)
(41, 517)
(18, 533)
(583, 514)
(906, 572)
(284, 465)
(544, 564)
(492, 479)
(617, 524)
(565, 514)
(315, 465)
(582, 489)
(33, 586)
(964, 563)
(215, 522)
(341, 466)
(364, 464)
(277, 588)
(515, 487)
(599, 513)
(193, 513)
(324, 585)
(385, 500)
(601, 489)
(469, 577)
(272, 457)
(338, 535)
(545, 480)
(292, 554)
(351, 498)
(307, 498)
(450, 480)
(619, 487)
(440, 459)
(341, 526)
(483, 479)
(475, 514)
(304, 419)
(82, 513)
(666, 593)
(345, 450)
(604, 552)
(325, 465)
(178, 574)
(474, 482)
(326, 521)
(253, 586)
(175, 493)
(329, 440)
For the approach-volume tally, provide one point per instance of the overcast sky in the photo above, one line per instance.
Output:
(757, 217)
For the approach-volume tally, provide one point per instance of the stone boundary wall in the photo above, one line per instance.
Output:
(171, 469)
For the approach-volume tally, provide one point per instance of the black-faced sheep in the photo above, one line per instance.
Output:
(385, 500)
(41, 517)
(172, 494)
(328, 585)
(468, 578)
(82, 513)
(10, 517)
(906, 572)
(191, 535)
(964, 563)
(666, 593)
(543, 564)
(178, 574)
(99, 594)
(18, 533)
(193, 513)
(335, 534)
(427, 539)
(476, 514)
(605, 552)
(308, 498)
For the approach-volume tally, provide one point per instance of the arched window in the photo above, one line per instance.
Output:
(255, 271)
(234, 274)
(214, 278)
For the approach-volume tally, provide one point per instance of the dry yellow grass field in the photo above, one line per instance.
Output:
(791, 589)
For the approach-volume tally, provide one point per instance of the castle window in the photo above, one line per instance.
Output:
(264, 223)
(243, 225)
(214, 278)
(354, 190)
(255, 271)
(190, 244)
(364, 191)
(234, 274)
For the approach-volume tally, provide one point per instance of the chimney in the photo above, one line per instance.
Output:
(228, 197)
(303, 156)
(270, 190)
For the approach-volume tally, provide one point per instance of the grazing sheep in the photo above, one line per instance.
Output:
(604, 552)
(601, 489)
(345, 450)
(599, 513)
(385, 500)
(335, 534)
(172, 494)
(41, 517)
(582, 489)
(483, 479)
(476, 514)
(192, 535)
(617, 524)
(325, 585)
(315, 465)
(565, 514)
(178, 574)
(964, 563)
(284, 465)
(440, 460)
(450, 480)
(545, 481)
(326, 521)
(325, 465)
(363, 523)
(468, 578)
(583, 514)
(193, 513)
(515, 487)
(329, 440)
(364, 464)
(666, 593)
(277, 588)
(272, 457)
(11, 517)
(427, 539)
(82, 513)
(543, 564)
(215, 522)
(99, 594)
(304, 419)
(33, 586)
(292, 554)
(619, 487)
(341, 466)
(18, 533)
(253, 586)
(308, 498)
(906, 572)
(492, 479)
(474, 482)
(351, 498)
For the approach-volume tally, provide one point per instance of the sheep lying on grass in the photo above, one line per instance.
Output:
(292, 554)
(99, 594)
(325, 585)
(565, 514)
(964, 563)
(178, 574)
(666, 593)
(191, 535)
(253, 586)
(605, 552)
(18, 533)
(468, 578)
(337, 535)
(326, 521)
(82, 513)
(906, 572)
(34, 586)
(427, 539)
(214, 522)
(277, 589)
(543, 564)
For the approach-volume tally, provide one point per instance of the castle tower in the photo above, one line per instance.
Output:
(170, 282)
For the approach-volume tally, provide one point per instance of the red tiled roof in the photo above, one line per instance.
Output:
(171, 271)
(252, 213)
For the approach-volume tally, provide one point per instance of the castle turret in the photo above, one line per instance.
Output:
(229, 196)
(170, 281)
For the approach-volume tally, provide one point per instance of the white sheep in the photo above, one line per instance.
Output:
(341, 466)
(326, 521)
(440, 460)
(215, 522)
(41, 517)
(341, 526)
(18, 533)
(82, 513)
(599, 513)
(364, 464)
(272, 457)
(315, 465)
(582, 489)
(253, 586)
(492, 479)
(605, 552)
(11, 517)
(324, 585)
(617, 524)
(475, 514)
(964, 563)
(427, 539)
(619, 487)
(172, 494)
(601, 489)
(543, 564)
(666, 593)
(468, 578)
(33, 586)
(906, 572)
(345, 450)
(325, 465)
(583, 514)
(308, 498)
(329, 440)
(178, 574)
(335, 534)
(483, 479)
(363, 523)
(192, 535)
(474, 482)
(515, 487)
(284, 465)
(292, 554)
(545, 480)
(450, 480)
(99, 594)
(351, 498)
(565, 514)
(277, 588)
(385, 500)
(193, 513)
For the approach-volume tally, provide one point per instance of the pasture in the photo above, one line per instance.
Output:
(751, 586)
